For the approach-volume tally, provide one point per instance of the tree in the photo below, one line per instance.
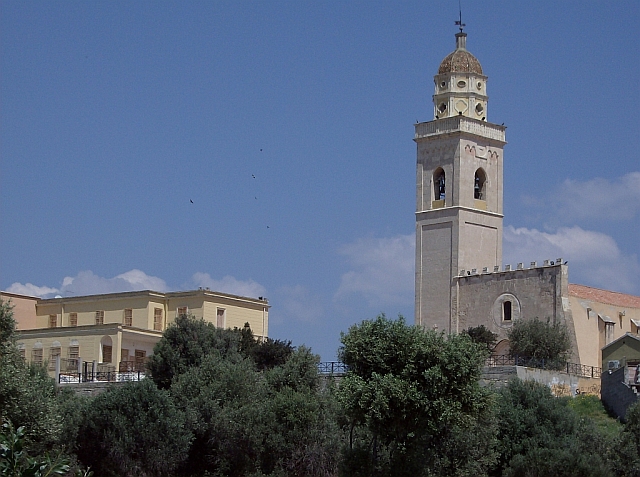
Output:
(272, 422)
(27, 393)
(540, 435)
(133, 430)
(16, 462)
(185, 344)
(482, 335)
(407, 392)
(540, 340)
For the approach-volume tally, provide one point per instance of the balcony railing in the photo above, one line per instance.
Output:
(74, 370)
(569, 368)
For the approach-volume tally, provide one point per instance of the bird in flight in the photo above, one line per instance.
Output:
(253, 176)
(191, 201)
(260, 150)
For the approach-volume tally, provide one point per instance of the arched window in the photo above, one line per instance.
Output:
(439, 184)
(479, 185)
(506, 310)
(107, 349)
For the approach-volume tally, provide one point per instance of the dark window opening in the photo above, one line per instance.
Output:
(439, 185)
(479, 185)
(506, 311)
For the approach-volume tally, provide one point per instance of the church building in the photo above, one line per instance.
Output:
(460, 279)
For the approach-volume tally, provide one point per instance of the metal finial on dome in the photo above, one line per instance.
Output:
(459, 21)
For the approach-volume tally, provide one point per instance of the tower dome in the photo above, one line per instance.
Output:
(460, 61)
(460, 85)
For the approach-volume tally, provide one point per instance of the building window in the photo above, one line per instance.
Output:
(53, 321)
(479, 185)
(36, 356)
(107, 352)
(157, 319)
(506, 310)
(23, 352)
(183, 310)
(439, 184)
(608, 332)
(54, 352)
(128, 316)
(73, 355)
(100, 317)
(73, 319)
(140, 358)
(220, 318)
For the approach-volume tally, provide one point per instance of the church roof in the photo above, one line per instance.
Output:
(604, 296)
(460, 61)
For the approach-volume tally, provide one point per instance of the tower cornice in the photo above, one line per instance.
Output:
(446, 212)
(463, 124)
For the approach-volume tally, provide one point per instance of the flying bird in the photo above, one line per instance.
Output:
(253, 176)
(260, 150)
(191, 201)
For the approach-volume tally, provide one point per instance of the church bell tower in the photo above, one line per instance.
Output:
(458, 188)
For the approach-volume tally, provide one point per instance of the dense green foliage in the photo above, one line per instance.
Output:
(133, 430)
(35, 429)
(482, 335)
(27, 394)
(540, 340)
(541, 436)
(410, 395)
(221, 403)
(187, 342)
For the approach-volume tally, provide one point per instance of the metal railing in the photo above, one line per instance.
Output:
(332, 368)
(555, 365)
(74, 370)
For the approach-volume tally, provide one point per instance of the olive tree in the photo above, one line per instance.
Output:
(412, 402)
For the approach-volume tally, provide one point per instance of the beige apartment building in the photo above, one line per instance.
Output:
(119, 330)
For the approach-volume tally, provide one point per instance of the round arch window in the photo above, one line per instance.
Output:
(480, 185)
(505, 310)
(439, 185)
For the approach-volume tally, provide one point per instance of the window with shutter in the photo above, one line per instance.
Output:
(157, 319)
(128, 317)
(106, 353)
(220, 318)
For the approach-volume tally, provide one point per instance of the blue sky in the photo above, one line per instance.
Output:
(289, 125)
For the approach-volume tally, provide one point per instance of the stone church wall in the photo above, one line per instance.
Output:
(537, 292)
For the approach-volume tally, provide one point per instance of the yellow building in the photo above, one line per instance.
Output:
(117, 331)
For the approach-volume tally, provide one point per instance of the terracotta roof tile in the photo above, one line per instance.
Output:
(604, 296)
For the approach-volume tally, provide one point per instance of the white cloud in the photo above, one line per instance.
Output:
(141, 281)
(383, 270)
(594, 257)
(594, 199)
(88, 283)
(31, 289)
(229, 284)
(299, 304)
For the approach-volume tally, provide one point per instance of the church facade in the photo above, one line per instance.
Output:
(460, 279)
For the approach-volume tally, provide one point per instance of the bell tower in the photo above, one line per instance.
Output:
(458, 188)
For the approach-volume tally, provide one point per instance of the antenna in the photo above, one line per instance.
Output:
(459, 22)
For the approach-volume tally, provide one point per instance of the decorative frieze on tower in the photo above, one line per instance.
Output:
(458, 188)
